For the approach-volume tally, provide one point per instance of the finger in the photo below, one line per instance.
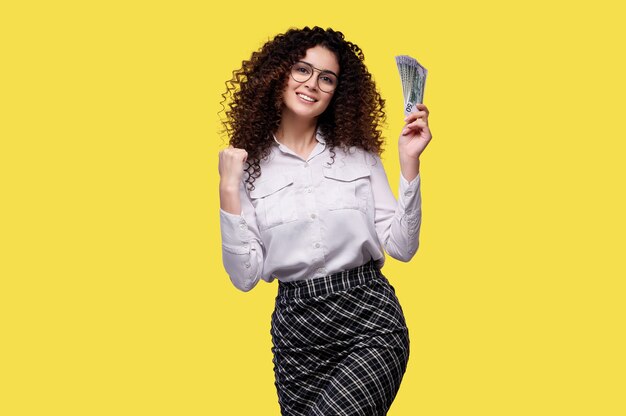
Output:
(422, 107)
(415, 126)
(242, 154)
(414, 115)
(421, 114)
(419, 123)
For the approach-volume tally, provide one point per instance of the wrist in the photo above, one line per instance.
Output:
(410, 167)
(230, 199)
(229, 186)
(410, 162)
(404, 157)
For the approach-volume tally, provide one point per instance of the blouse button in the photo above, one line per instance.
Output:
(316, 245)
(313, 215)
(247, 265)
(242, 226)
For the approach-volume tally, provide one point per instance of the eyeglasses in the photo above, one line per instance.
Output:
(303, 71)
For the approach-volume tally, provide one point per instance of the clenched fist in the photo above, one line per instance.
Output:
(230, 166)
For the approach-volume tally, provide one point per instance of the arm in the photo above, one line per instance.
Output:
(397, 222)
(398, 230)
(242, 248)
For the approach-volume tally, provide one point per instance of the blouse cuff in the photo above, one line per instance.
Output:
(409, 195)
(235, 233)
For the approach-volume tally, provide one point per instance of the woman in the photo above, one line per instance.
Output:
(304, 199)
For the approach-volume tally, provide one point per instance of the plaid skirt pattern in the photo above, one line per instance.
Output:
(340, 344)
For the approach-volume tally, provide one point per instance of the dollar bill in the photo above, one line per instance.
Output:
(413, 77)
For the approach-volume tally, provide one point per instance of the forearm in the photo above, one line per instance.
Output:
(229, 198)
(242, 251)
(410, 167)
(398, 221)
(243, 264)
(403, 238)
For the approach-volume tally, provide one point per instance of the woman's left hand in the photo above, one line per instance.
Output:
(415, 134)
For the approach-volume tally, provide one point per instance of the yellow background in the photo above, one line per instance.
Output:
(113, 297)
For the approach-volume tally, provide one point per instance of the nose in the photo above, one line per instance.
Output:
(311, 83)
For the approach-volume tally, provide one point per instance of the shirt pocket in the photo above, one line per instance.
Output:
(274, 201)
(348, 187)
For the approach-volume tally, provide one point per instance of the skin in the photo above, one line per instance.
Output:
(298, 126)
(413, 140)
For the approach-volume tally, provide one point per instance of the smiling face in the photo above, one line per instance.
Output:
(305, 99)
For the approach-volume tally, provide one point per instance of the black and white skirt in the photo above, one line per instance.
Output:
(340, 344)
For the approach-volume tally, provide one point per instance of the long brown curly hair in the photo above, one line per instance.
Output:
(254, 97)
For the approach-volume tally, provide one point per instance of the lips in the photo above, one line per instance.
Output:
(306, 98)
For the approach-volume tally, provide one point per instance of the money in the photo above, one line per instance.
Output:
(413, 77)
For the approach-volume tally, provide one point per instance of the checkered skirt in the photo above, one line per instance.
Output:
(340, 344)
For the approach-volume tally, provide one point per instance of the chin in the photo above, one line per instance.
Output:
(304, 112)
(308, 114)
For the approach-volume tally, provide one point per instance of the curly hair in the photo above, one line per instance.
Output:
(352, 118)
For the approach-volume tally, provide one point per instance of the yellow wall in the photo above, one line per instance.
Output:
(113, 298)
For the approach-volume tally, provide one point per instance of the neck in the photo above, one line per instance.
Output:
(295, 132)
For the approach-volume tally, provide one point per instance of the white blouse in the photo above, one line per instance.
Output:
(307, 219)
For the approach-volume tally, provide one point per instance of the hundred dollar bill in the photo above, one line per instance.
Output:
(413, 77)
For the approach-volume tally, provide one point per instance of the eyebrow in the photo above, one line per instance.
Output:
(322, 70)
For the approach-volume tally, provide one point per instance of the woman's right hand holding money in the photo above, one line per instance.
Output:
(230, 168)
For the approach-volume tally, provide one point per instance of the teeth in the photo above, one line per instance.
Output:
(306, 97)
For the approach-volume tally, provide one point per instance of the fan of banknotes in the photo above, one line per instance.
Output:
(413, 77)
